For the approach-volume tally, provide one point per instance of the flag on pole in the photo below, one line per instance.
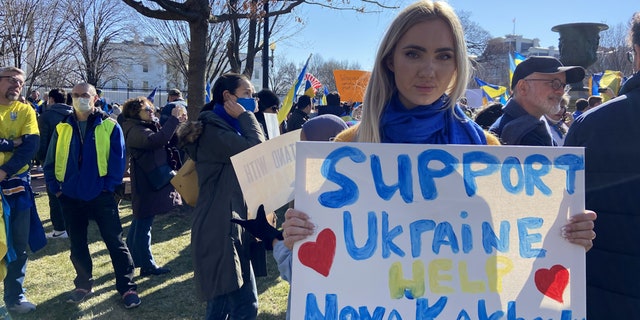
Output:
(152, 95)
(287, 102)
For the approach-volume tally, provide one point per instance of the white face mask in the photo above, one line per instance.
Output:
(82, 104)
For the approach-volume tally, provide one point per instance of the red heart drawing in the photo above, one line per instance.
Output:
(552, 282)
(319, 255)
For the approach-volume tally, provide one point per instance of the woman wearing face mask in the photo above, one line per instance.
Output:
(146, 145)
(226, 126)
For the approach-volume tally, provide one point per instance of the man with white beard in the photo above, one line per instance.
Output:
(538, 85)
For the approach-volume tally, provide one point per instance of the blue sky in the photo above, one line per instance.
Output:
(347, 35)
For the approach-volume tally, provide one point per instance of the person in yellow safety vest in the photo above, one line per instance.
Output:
(19, 137)
(85, 163)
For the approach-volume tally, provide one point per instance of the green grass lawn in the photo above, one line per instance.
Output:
(50, 276)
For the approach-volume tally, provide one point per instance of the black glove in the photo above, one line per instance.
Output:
(260, 228)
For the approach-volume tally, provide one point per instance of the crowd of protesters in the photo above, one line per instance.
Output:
(86, 146)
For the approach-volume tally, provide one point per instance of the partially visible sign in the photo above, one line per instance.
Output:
(266, 172)
(273, 129)
(351, 84)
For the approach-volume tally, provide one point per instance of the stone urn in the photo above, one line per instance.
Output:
(578, 45)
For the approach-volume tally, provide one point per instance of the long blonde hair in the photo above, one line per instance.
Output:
(382, 85)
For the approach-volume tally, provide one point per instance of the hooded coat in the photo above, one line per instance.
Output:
(221, 249)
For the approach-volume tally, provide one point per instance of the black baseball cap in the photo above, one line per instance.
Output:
(545, 65)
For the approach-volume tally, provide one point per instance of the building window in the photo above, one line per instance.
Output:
(114, 85)
(256, 74)
(130, 84)
(145, 67)
(145, 85)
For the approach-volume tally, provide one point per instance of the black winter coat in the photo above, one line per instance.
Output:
(610, 134)
(145, 144)
(221, 249)
(47, 122)
(296, 120)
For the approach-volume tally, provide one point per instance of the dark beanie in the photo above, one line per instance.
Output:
(267, 99)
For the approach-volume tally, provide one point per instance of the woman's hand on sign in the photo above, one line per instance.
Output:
(296, 227)
(579, 230)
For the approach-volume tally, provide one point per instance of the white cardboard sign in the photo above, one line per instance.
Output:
(438, 232)
(266, 172)
(273, 127)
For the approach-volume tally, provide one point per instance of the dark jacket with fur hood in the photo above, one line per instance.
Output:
(220, 248)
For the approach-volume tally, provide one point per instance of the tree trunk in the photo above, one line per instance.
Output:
(197, 60)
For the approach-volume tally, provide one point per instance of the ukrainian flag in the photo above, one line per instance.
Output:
(309, 90)
(287, 102)
(514, 60)
(491, 91)
(324, 96)
(594, 83)
(4, 243)
(607, 79)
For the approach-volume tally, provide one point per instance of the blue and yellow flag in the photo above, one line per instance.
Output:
(4, 232)
(491, 91)
(287, 102)
(309, 90)
(324, 96)
(594, 83)
(514, 60)
(607, 79)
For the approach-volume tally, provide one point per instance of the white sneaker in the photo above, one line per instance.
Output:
(57, 235)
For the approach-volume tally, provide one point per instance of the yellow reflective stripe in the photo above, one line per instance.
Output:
(102, 136)
(103, 144)
(65, 132)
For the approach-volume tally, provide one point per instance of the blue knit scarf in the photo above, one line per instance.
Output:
(430, 124)
(219, 110)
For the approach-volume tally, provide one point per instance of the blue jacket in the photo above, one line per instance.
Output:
(81, 180)
(610, 135)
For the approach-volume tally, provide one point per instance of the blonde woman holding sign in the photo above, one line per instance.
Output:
(421, 70)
